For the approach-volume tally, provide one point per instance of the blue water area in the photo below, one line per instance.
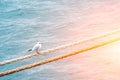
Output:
(22, 24)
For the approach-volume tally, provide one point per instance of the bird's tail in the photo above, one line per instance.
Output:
(29, 50)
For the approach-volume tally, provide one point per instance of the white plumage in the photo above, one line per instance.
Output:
(36, 47)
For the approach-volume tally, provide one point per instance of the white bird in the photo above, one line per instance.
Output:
(36, 47)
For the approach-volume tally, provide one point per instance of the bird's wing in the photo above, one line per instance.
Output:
(35, 47)
(29, 50)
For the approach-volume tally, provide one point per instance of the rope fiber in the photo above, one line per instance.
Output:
(58, 48)
(59, 57)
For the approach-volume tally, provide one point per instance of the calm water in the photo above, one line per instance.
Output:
(56, 22)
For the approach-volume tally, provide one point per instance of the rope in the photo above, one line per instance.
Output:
(58, 48)
(59, 57)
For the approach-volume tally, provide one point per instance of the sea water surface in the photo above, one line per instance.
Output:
(54, 23)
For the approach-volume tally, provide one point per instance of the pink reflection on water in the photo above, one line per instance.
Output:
(99, 64)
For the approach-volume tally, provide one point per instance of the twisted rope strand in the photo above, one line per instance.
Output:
(59, 57)
(58, 48)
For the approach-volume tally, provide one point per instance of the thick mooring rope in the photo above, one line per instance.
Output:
(58, 48)
(59, 57)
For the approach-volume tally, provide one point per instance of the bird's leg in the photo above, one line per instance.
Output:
(37, 51)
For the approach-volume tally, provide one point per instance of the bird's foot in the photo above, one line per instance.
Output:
(38, 53)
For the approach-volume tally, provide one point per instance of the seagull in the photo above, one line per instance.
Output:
(36, 47)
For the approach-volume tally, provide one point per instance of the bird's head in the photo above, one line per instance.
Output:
(38, 42)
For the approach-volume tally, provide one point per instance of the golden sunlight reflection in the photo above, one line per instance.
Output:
(99, 64)
(102, 63)
(113, 52)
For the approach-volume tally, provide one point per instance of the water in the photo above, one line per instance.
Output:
(56, 22)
